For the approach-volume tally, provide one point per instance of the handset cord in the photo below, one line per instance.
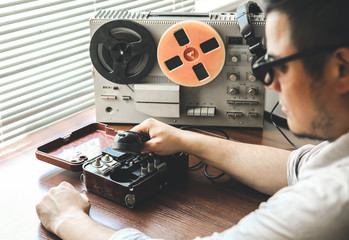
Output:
(283, 134)
(198, 165)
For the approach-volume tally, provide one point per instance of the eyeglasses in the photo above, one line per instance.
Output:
(264, 65)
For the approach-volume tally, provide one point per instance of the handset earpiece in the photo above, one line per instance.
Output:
(129, 141)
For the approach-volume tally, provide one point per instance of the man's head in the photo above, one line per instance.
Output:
(314, 89)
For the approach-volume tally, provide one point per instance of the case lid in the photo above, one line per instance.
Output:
(72, 150)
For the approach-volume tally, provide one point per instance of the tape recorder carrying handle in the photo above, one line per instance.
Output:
(179, 14)
(246, 29)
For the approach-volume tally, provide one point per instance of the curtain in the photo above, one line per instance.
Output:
(45, 69)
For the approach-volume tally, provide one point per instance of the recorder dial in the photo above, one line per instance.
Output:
(123, 51)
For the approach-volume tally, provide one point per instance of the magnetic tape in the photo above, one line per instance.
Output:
(181, 68)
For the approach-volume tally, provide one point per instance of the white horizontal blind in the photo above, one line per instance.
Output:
(45, 69)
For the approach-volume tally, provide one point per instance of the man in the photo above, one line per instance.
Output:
(310, 186)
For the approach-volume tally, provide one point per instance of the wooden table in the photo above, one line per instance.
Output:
(197, 208)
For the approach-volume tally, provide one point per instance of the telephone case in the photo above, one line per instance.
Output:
(127, 179)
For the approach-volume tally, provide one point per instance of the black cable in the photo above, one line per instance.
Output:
(283, 134)
(209, 176)
(280, 121)
(198, 165)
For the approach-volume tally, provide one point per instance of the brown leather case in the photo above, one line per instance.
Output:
(72, 150)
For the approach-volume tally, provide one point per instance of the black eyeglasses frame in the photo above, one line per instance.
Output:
(264, 65)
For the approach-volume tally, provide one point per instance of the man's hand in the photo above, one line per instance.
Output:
(164, 139)
(60, 204)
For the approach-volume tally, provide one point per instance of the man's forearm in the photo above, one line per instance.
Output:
(260, 167)
(80, 226)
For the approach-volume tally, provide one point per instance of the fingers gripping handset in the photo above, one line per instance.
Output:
(129, 141)
(164, 139)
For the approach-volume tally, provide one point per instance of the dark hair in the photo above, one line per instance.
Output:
(314, 23)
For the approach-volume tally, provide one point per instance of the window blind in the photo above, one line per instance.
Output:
(45, 69)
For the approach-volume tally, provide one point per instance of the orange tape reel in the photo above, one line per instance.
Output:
(191, 53)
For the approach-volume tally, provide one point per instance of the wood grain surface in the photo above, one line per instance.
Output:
(197, 207)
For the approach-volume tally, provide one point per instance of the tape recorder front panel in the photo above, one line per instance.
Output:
(189, 69)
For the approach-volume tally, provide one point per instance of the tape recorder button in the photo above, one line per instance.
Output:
(126, 98)
(108, 97)
(204, 111)
(190, 111)
(197, 112)
(253, 114)
(211, 111)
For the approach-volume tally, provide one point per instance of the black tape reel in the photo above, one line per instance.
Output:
(123, 51)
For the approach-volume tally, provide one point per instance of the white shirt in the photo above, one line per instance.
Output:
(315, 205)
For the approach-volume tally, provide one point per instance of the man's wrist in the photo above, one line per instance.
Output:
(67, 226)
(79, 226)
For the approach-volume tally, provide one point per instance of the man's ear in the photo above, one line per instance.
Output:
(342, 64)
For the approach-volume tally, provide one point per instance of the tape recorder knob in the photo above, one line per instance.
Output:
(234, 91)
(252, 78)
(106, 158)
(234, 58)
(97, 163)
(233, 77)
(252, 91)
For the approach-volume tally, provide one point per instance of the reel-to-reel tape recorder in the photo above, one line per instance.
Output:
(181, 68)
